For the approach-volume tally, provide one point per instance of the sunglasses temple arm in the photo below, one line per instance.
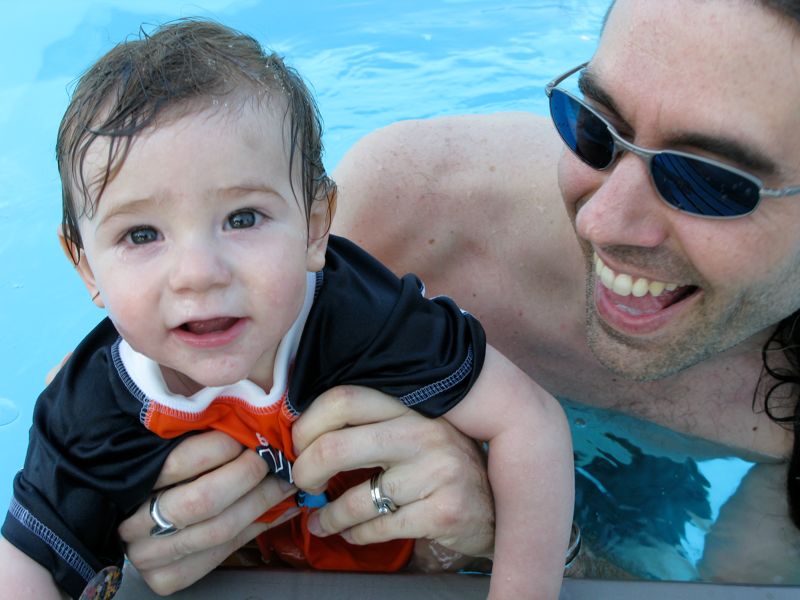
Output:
(549, 87)
(772, 193)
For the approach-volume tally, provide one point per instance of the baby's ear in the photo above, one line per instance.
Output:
(78, 260)
(319, 226)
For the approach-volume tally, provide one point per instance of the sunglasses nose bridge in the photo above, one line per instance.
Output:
(622, 145)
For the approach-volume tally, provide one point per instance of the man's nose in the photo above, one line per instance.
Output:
(624, 209)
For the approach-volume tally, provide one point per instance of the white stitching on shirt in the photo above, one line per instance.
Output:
(437, 387)
(127, 380)
(67, 553)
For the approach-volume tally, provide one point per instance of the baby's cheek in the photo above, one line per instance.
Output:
(126, 315)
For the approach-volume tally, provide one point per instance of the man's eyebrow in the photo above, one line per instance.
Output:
(727, 149)
(591, 88)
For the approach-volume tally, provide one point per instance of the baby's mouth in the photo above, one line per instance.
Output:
(639, 295)
(209, 325)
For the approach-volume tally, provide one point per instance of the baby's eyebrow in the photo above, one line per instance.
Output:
(136, 206)
(128, 207)
(244, 188)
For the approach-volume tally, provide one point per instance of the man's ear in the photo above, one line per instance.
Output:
(71, 251)
(320, 218)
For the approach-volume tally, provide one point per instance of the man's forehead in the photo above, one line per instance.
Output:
(703, 67)
(695, 34)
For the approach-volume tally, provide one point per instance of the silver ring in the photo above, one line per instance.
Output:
(163, 527)
(383, 503)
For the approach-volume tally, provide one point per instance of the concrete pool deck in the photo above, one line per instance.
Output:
(231, 584)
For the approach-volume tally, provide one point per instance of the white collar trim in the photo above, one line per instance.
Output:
(146, 373)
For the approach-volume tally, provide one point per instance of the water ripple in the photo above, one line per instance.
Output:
(8, 411)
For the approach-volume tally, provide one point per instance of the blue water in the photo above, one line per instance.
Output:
(648, 498)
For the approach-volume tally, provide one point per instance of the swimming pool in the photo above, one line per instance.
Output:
(370, 63)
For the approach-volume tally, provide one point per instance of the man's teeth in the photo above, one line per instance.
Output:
(624, 285)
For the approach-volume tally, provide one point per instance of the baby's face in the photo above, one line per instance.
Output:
(199, 248)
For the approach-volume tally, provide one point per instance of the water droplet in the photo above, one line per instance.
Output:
(580, 423)
(8, 411)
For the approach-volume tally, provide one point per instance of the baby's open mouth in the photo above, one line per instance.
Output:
(209, 325)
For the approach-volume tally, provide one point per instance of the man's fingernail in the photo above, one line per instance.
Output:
(347, 537)
(314, 526)
(285, 486)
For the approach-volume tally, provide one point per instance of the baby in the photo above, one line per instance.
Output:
(197, 212)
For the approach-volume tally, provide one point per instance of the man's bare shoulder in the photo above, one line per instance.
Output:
(417, 193)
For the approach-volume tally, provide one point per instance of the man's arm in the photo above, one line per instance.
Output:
(23, 577)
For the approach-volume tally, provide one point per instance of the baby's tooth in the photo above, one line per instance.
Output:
(671, 286)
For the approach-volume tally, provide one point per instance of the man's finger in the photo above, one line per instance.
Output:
(356, 505)
(196, 455)
(167, 579)
(375, 445)
(220, 530)
(202, 498)
(342, 407)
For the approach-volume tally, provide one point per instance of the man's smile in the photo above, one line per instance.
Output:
(636, 304)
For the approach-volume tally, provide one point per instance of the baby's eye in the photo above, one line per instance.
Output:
(142, 235)
(242, 219)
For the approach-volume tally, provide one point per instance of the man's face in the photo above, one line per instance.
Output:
(720, 79)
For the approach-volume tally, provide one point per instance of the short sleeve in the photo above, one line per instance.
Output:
(89, 465)
(368, 327)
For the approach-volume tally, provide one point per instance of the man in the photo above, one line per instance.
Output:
(474, 205)
(471, 205)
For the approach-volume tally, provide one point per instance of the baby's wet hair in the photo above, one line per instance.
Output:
(167, 74)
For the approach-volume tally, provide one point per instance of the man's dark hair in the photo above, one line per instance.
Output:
(785, 340)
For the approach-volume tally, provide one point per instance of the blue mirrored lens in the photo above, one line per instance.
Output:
(688, 184)
(582, 132)
(701, 188)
